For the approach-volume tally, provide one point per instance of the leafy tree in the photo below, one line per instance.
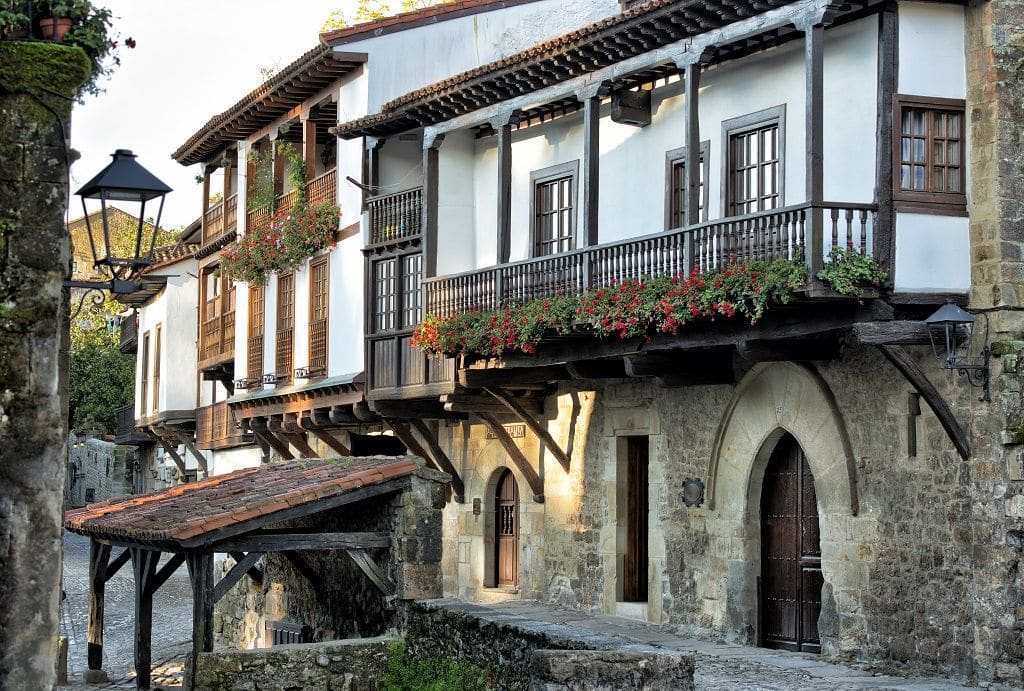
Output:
(100, 377)
(370, 10)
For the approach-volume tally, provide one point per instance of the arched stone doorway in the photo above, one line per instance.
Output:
(789, 598)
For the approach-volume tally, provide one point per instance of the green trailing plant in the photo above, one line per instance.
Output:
(260, 193)
(406, 672)
(291, 237)
(295, 168)
(848, 271)
(628, 309)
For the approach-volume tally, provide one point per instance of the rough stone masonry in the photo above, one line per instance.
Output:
(37, 81)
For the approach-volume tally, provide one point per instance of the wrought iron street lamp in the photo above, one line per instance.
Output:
(126, 182)
(953, 334)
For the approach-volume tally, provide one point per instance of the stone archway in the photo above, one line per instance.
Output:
(772, 400)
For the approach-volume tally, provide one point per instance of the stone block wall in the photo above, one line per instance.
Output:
(97, 465)
(37, 81)
(344, 603)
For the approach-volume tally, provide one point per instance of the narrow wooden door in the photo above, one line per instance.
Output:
(634, 584)
(791, 577)
(506, 522)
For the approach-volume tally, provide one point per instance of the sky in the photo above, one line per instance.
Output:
(193, 60)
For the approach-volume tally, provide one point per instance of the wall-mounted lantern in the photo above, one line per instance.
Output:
(960, 345)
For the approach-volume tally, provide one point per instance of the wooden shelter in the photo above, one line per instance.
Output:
(228, 513)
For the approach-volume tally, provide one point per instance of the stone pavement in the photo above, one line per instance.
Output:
(719, 667)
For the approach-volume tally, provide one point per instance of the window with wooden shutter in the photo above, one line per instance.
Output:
(319, 294)
(257, 327)
(285, 326)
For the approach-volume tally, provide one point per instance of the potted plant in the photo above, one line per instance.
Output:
(13, 22)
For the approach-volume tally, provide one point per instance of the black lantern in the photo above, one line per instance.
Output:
(124, 181)
(954, 336)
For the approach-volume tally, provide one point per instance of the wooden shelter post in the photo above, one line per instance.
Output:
(430, 197)
(200, 571)
(99, 556)
(144, 563)
(814, 71)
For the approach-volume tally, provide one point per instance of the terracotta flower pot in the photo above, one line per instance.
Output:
(54, 28)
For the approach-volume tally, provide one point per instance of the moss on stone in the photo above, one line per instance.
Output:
(1000, 348)
(33, 65)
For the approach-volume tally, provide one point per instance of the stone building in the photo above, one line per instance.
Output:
(816, 480)
(97, 470)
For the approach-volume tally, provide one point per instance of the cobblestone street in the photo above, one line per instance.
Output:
(172, 617)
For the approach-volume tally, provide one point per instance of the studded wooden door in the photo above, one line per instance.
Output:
(791, 580)
(506, 523)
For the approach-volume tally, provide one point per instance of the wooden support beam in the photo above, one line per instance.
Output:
(260, 428)
(909, 368)
(172, 452)
(891, 333)
(405, 435)
(99, 555)
(504, 130)
(200, 571)
(591, 170)
(883, 239)
(196, 453)
(304, 569)
(682, 368)
(610, 368)
(692, 164)
(280, 542)
(255, 573)
(165, 572)
(299, 442)
(309, 146)
(429, 223)
(472, 403)
(537, 428)
(144, 563)
(438, 454)
(516, 456)
(372, 571)
(119, 561)
(243, 566)
(510, 378)
(814, 68)
(756, 350)
(331, 442)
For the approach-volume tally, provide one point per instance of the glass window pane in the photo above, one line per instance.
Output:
(918, 177)
(918, 151)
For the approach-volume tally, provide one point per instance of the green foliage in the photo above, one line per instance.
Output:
(295, 168)
(260, 194)
(291, 237)
(12, 20)
(371, 10)
(848, 271)
(409, 673)
(31, 65)
(628, 310)
(100, 377)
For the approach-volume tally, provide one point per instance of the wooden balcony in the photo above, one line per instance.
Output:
(127, 434)
(776, 234)
(257, 219)
(397, 370)
(286, 201)
(217, 337)
(216, 428)
(394, 217)
(129, 344)
(323, 188)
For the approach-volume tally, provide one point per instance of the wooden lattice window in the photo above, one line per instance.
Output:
(285, 326)
(929, 169)
(385, 294)
(319, 294)
(553, 207)
(755, 146)
(257, 328)
(675, 185)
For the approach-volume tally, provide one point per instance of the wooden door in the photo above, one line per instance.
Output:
(634, 568)
(506, 522)
(791, 580)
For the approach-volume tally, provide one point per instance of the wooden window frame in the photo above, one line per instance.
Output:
(286, 375)
(569, 169)
(776, 115)
(257, 329)
(158, 332)
(928, 201)
(321, 262)
(144, 375)
(673, 158)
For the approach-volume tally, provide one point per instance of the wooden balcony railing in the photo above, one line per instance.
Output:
(395, 216)
(257, 219)
(323, 188)
(126, 432)
(775, 234)
(286, 201)
(129, 344)
(218, 332)
(213, 223)
(231, 214)
(394, 364)
(216, 429)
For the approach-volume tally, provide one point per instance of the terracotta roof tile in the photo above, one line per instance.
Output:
(185, 513)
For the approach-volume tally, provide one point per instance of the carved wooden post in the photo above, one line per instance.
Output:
(503, 126)
(690, 63)
(99, 556)
(309, 144)
(200, 571)
(144, 563)
(814, 71)
(588, 232)
(431, 145)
